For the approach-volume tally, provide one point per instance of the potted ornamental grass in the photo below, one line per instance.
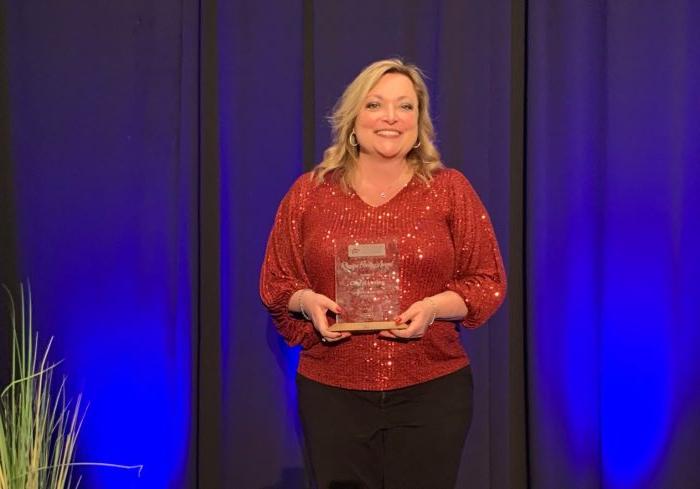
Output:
(39, 425)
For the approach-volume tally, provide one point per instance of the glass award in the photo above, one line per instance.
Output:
(367, 285)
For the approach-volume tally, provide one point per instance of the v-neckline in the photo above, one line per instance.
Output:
(386, 202)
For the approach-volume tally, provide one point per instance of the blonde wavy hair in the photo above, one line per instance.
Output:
(341, 157)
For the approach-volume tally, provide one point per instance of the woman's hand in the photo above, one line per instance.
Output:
(316, 306)
(447, 305)
(419, 316)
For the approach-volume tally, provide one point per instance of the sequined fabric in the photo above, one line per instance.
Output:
(446, 242)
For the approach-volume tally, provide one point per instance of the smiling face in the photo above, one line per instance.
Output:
(387, 123)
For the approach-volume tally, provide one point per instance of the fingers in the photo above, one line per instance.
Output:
(329, 305)
(323, 304)
(412, 332)
(320, 321)
(416, 317)
(388, 333)
(331, 339)
(318, 306)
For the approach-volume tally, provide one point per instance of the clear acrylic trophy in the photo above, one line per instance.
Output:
(367, 285)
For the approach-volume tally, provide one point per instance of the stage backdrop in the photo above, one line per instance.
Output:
(613, 187)
(144, 147)
(102, 151)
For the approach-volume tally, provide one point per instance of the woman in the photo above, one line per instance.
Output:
(388, 409)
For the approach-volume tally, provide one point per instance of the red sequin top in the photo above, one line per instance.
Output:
(446, 242)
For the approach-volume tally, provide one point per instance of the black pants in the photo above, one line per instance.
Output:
(410, 438)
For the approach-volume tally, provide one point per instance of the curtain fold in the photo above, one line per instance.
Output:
(102, 138)
(8, 252)
(612, 183)
(260, 72)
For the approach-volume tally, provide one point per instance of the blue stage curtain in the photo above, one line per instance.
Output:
(613, 182)
(102, 111)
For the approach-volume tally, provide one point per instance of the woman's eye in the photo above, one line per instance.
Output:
(372, 105)
(407, 106)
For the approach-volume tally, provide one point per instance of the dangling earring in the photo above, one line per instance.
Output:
(353, 139)
(417, 145)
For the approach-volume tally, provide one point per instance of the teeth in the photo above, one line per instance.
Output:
(388, 133)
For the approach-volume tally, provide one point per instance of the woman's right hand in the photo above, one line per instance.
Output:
(316, 306)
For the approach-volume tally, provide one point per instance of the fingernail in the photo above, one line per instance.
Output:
(397, 320)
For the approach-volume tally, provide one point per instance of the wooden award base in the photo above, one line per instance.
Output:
(368, 326)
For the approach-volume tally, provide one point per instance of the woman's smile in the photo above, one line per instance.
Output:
(387, 124)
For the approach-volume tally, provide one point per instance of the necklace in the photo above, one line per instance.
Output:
(376, 195)
(383, 194)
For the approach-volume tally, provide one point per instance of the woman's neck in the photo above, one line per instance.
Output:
(377, 182)
(380, 172)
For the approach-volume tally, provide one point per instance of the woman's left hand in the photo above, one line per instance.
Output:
(418, 316)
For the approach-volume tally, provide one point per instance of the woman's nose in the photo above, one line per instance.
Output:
(390, 114)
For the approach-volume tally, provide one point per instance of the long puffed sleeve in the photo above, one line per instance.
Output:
(479, 275)
(283, 271)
